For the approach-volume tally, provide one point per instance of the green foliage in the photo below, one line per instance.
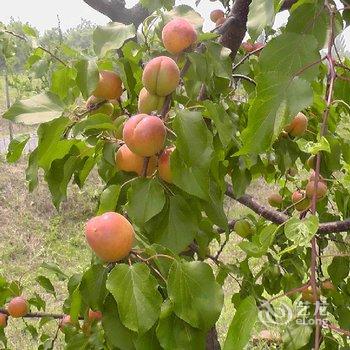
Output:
(228, 121)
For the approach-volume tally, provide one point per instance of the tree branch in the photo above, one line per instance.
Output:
(116, 11)
(279, 218)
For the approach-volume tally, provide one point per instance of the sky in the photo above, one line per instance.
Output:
(44, 14)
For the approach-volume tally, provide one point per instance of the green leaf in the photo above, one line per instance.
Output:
(35, 110)
(62, 80)
(175, 334)
(176, 227)
(314, 147)
(276, 103)
(111, 37)
(93, 286)
(146, 199)
(137, 296)
(261, 243)
(261, 15)
(339, 269)
(97, 121)
(288, 55)
(16, 147)
(190, 286)
(222, 121)
(76, 301)
(242, 325)
(59, 176)
(87, 76)
(299, 231)
(296, 336)
(51, 144)
(190, 162)
(46, 284)
(148, 341)
(304, 14)
(52, 267)
(117, 335)
(109, 199)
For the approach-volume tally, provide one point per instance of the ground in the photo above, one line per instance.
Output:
(33, 232)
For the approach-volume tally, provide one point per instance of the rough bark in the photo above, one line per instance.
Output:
(212, 340)
(116, 11)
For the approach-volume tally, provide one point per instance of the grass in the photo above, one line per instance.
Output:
(33, 232)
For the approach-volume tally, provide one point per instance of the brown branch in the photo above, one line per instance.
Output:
(334, 328)
(38, 314)
(116, 11)
(22, 37)
(279, 218)
(145, 166)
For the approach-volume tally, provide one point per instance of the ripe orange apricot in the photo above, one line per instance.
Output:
(161, 76)
(18, 307)
(144, 134)
(220, 21)
(178, 35)
(131, 162)
(328, 285)
(321, 189)
(216, 14)
(110, 236)
(3, 320)
(300, 200)
(275, 200)
(298, 125)
(164, 165)
(109, 86)
(149, 103)
(95, 315)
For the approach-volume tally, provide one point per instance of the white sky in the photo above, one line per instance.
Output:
(42, 14)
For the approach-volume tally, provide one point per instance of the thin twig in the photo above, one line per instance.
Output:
(22, 37)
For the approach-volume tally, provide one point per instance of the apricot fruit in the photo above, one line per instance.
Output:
(161, 76)
(178, 35)
(131, 162)
(301, 202)
(65, 321)
(307, 295)
(321, 189)
(247, 46)
(164, 169)
(220, 21)
(144, 134)
(216, 14)
(149, 103)
(243, 228)
(3, 320)
(109, 86)
(95, 315)
(320, 177)
(18, 307)
(110, 236)
(327, 285)
(275, 200)
(311, 162)
(298, 125)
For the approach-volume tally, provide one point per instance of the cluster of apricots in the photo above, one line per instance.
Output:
(17, 307)
(93, 317)
(308, 295)
(301, 198)
(111, 235)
